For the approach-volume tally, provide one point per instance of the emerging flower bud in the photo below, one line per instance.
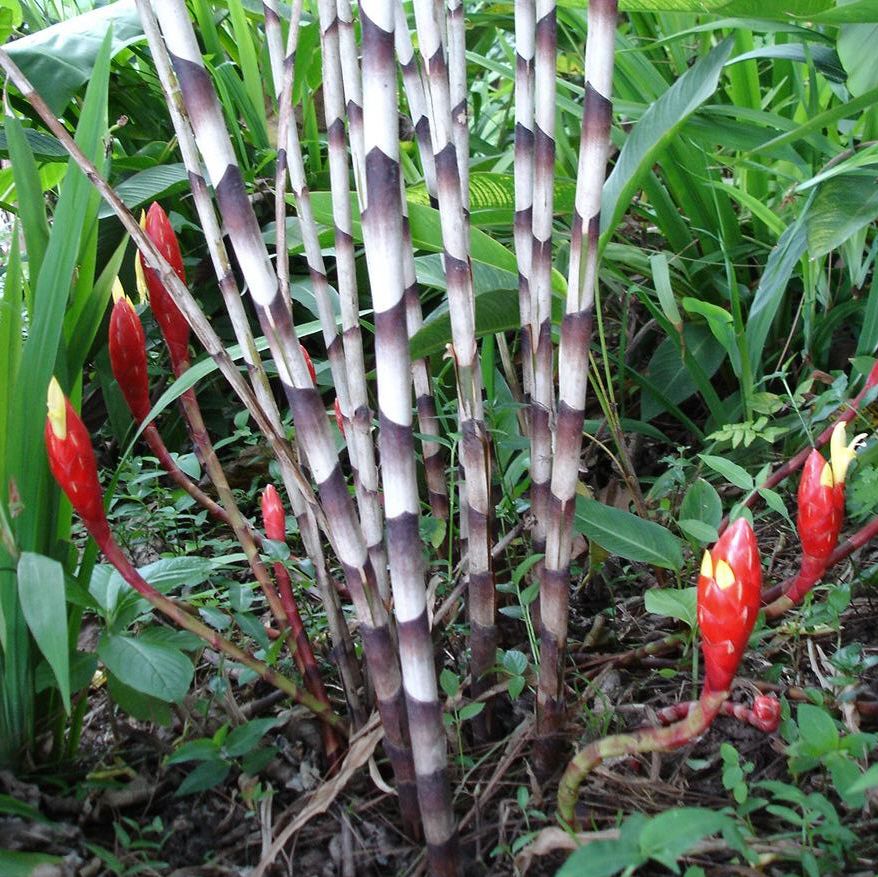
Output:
(127, 344)
(273, 515)
(175, 329)
(72, 461)
(819, 519)
(729, 587)
(338, 418)
(766, 710)
(311, 370)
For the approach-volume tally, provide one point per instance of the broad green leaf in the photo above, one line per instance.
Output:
(869, 780)
(856, 48)
(852, 12)
(668, 370)
(43, 146)
(698, 531)
(817, 729)
(136, 704)
(41, 593)
(673, 603)
(768, 9)
(159, 671)
(149, 185)
(673, 833)
(245, 737)
(486, 278)
(19, 864)
(655, 130)
(779, 268)
(823, 58)
(732, 472)
(10, 806)
(11, 305)
(496, 311)
(604, 858)
(207, 775)
(60, 59)
(842, 206)
(203, 749)
(702, 503)
(426, 232)
(626, 535)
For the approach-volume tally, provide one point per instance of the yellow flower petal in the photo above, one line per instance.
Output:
(826, 479)
(723, 575)
(57, 409)
(843, 453)
(118, 290)
(707, 565)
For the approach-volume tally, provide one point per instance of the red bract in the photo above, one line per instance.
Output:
(729, 588)
(175, 329)
(127, 344)
(766, 711)
(311, 369)
(273, 514)
(338, 418)
(819, 518)
(72, 461)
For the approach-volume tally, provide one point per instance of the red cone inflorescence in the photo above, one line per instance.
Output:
(175, 329)
(127, 344)
(729, 587)
(72, 461)
(821, 509)
(273, 515)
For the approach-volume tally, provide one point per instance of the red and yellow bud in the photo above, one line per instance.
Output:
(175, 329)
(273, 515)
(729, 588)
(127, 344)
(819, 518)
(72, 461)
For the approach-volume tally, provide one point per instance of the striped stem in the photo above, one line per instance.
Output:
(475, 449)
(413, 82)
(540, 278)
(457, 88)
(309, 417)
(359, 434)
(382, 234)
(574, 346)
(428, 423)
(525, 51)
(343, 648)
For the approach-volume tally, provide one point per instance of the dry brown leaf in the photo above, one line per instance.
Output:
(553, 839)
(362, 746)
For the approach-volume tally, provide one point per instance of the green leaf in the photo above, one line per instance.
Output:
(668, 370)
(470, 711)
(58, 60)
(42, 145)
(732, 472)
(449, 682)
(817, 729)
(43, 603)
(10, 806)
(673, 833)
(782, 260)
(202, 749)
(842, 206)
(856, 47)
(626, 535)
(159, 671)
(140, 706)
(869, 780)
(18, 864)
(680, 604)
(702, 503)
(656, 129)
(207, 775)
(29, 195)
(149, 185)
(604, 858)
(698, 530)
(245, 737)
(514, 662)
